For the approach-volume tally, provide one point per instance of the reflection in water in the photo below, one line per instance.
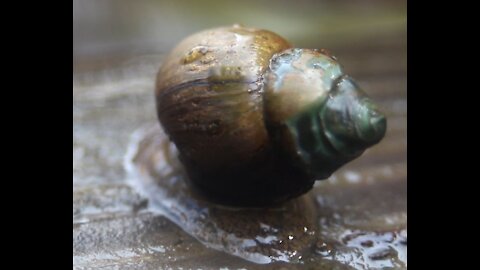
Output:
(304, 230)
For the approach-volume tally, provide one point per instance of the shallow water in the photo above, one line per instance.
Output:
(327, 224)
(357, 218)
(259, 235)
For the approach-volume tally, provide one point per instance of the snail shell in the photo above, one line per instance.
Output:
(256, 121)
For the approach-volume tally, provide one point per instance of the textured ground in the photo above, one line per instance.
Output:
(359, 214)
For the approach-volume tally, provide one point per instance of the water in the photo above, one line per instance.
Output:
(357, 219)
(299, 232)
(258, 235)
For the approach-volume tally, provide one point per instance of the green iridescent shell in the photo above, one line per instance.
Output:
(256, 121)
(324, 118)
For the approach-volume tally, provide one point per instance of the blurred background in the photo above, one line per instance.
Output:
(109, 31)
(118, 46)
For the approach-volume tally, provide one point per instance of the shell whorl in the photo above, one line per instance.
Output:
(309, 103)
(256, 121)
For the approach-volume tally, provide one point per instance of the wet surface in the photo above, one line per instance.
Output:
(132, 212)
(280, 233)
(357, 218)
(358, 225)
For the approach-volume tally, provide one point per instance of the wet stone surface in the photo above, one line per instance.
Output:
(132, 209)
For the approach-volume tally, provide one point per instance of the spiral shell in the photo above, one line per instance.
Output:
(256, 121)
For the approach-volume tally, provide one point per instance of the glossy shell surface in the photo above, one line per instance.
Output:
(209, 94)
(256, 121)
(210, 103)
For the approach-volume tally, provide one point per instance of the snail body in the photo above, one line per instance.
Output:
(256, 121)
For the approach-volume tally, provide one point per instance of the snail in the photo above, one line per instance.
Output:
(255, 121)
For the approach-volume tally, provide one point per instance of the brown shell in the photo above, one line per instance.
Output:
(210, 103)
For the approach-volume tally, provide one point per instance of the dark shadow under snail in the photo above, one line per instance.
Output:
(256, 121)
